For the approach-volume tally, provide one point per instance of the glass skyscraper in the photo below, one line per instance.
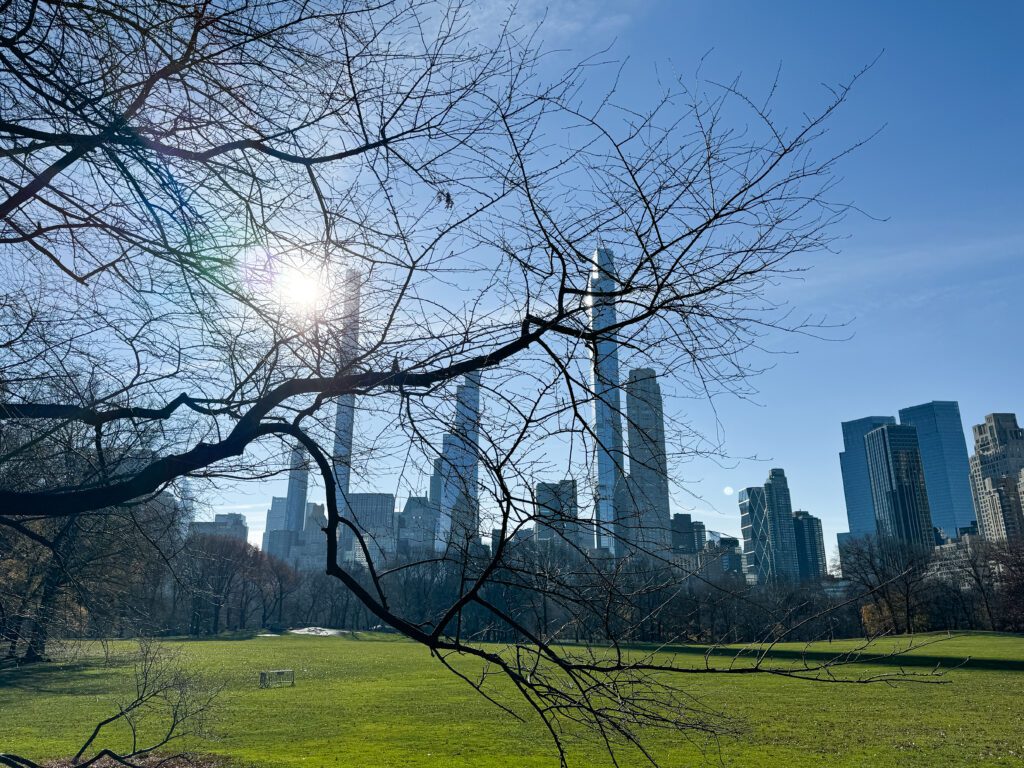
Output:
(769, 538)
(344, 418)
(810, 546)
(609, 487)
(458, 519)
(646, 521)
(860, 507)
(756, 538)
(940, 436)
(780, 524)
(298, 485)
(898, 485)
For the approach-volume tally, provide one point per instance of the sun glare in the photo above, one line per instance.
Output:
(298, 291)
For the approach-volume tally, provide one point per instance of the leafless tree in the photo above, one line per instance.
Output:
(163, 704)
(166, 168)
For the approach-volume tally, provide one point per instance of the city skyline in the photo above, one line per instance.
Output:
(901, 285)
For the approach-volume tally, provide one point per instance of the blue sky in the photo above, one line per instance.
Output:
(929, 288)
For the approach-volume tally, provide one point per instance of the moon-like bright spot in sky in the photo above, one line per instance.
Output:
(727, 490)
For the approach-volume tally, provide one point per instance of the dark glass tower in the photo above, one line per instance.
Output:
(940, 435)
(898, 486)
(810, 546)
(780, 523)
(853, 461)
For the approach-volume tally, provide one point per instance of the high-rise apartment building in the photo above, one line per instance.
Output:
(417, 527)
(308, 548)
(230, 526)
(700, 535)
(853, 461)
(898, 485)
(682, 534)
(996, 477)
(609, 488)
(275, 521)
(810, 546)
(457, 473)
(298, 486)
(344, 419)
(940, 436)
(374, 515)
(645, 523)
(780, 524)
(557, 514)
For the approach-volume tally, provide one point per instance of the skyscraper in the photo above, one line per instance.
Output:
(457, 472)
(608, 458)
(557, 513)
(860, 507)
(417, 527)
(780, 525)
(700, 535)
(810, 546)
(756, 536)
(769, 541)
(898, 485)
(940, 435)
(275, 521)
(683, 534)
(996, 467)
(374, 515)
(645, 522)
(298, 484)
(344, 420)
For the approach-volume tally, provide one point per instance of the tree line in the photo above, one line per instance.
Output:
(138, 572)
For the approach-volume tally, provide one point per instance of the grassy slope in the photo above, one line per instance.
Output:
(378, 701)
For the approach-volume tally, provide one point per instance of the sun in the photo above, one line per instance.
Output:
(300, 291)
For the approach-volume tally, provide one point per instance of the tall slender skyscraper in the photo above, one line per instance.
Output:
(996, 477)
(298, 485)
(458, 519)
(940, 435)
(609, 487)
(780, 524)
(898, 486)
(646, 521)
(853, 461)
(344, 420)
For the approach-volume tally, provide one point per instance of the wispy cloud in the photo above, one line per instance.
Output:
(592, 20)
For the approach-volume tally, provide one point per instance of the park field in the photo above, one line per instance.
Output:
(376, 700)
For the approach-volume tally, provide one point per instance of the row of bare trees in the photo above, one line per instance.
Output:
(979, 585)
(157, 580)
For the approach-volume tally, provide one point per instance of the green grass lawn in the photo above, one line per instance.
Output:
(381, 701)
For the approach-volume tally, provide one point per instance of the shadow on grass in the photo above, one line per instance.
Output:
(86, 676)
(868, 658)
